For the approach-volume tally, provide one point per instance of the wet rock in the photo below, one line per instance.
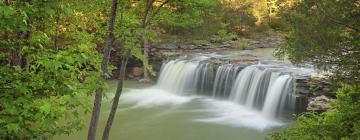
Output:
(225, 46)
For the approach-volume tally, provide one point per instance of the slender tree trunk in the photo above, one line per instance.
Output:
(115, 103)
(146, 55)
(95, 115)
(56, 37)
(24, 61)
(104, 67)
(145, 44)
(15, 56)
(148, 16)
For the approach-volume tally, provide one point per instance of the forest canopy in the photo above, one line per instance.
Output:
(55, 54)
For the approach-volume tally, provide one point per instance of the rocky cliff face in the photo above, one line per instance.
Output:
(314, 92)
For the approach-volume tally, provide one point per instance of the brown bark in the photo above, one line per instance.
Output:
(146, 55)
(104, 68)
(15, 59)
(24, 61)
(7, 2)
(95, 115)
(118, 92)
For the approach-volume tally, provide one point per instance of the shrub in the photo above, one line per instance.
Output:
(341, 122)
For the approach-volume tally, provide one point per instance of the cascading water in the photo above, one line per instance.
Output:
(176, 76)
(224, 80)
(204, 78)
(266, 88)
(276, 96)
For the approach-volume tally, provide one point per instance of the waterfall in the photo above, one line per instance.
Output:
(204, 78)
(224, 79)
(240, 89)
(266, 88)
(276, 97)
(177, 76)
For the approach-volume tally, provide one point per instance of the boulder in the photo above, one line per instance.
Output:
(319, 103)
(135, 73)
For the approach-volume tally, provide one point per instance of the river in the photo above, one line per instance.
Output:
(146, 112)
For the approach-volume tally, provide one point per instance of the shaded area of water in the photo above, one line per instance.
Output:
(171, 111)
(152, 114)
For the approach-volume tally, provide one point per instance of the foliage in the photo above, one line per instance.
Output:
(325, 33)
(223, 36)
(49, 63)
(341, 122)
(44, 101)
(243, 46)
(188, 14)
(189, 18)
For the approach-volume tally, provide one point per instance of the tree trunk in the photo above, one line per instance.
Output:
(148, 16)
(104, 67)
(115, 103)
(145, 44)
(95, 115)
(15, 59)
(146, 55)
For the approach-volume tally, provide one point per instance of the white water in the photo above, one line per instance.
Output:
(210, 110)
(176, 76)
(274, 96)
(255, 96)
(224, 80)
(240, 89)
(235, 115)
(153, 97)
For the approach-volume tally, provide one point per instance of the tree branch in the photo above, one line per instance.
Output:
(157, 11)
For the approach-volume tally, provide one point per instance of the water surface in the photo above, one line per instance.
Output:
(152, 114)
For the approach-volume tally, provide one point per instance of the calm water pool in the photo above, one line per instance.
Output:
(147, 113)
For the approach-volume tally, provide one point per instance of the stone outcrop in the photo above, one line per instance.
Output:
(313, 92)
(319, 103)
(264, 42)
(135, 73)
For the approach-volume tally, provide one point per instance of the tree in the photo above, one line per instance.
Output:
(179, 14)
(104, 71)
(341, 122)
(325, 33)
(129, 35)
(43, 86)
(150, 11)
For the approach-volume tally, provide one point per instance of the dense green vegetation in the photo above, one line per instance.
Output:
(326, 33)
(341, 122)
(50, 55)
(48, 63)
(53, 53)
